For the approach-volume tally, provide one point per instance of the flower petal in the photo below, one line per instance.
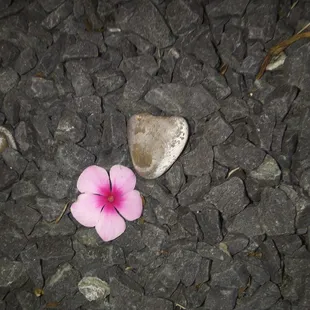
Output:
(93, 180)
(110, 225)
(130, 206)
(86, 210)
(122, 178)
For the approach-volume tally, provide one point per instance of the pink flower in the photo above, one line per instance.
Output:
(105, 200)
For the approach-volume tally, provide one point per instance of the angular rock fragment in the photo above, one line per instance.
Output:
(276, 212)
(239, 153)
(80, 50)
(26, 61)
(146, 21)
(193, 102)
(194, 190)
(175, 178)
(155, 143)
(62, 283)
(229, 197)
(23, 190)
(219, 298)
(93, 288)
(8, 79)
(41, 88)
(267, 174)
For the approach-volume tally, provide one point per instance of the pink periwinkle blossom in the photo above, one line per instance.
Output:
(105, 200)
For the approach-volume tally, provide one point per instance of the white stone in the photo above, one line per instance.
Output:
(93, 288)
(155, 142)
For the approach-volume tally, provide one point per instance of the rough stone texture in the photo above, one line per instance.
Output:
(93, 288)
(146, 21)
(8, 79)
(175, 98)
(26, 61)
(229, 198)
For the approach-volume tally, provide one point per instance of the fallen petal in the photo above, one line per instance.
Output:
(122, 179)
(130, 207)
(86, 210)
(110, 225)
(93, 180)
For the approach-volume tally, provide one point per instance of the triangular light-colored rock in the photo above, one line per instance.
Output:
(155, 142)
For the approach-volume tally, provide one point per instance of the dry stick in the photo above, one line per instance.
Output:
(277, 49)
(62, 213)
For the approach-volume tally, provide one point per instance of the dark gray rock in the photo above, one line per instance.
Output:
(53, 185)
(57, 16)
(80, 50)
(271, 260)
(89, 237)
(218, 174)
(72, 159)
(41, 88)
(189, 70)
(212, 252)
(62, 283)
(130, 240)
(49, 6)
(276, 212)
(83, 85)
(97, 258)
(144, 63)
(28, 219)
(215, 83)
(234, 108)
(146, 21)
(188, 221)
(24, 190)
(186, 264)
(114, 129)
(13, 274)
(200, 44)
(233, 275)
(13, 240)
(287, 245)
(27, 300)
(137, 85)
(265, 297)
(232, 48)
(199, 161)
(235, 243)
(305, 181)
(14, 160)
(210, 224)
(261, 20)
(70, 127)
(175, 178)
(65, 227)
(226, 7)
(153, 303)
(53, 251)
(165, 215)
(195, 296)
(298, 61)
(263, 126)
(280, 101)
(108, 81)
(8, 53)
(247, 222)
(229, 198)
(194, 190)
(219, 298)
(49, 60)
(26, 61)
(239, 153)
(267, 174)
(217, 130)
(183, 16)
(32, 264)
(153, 236)
(174, 99)
(88, 105)
(8, 79)
(163, 282)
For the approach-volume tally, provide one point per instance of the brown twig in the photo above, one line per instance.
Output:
(277, 49)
